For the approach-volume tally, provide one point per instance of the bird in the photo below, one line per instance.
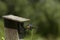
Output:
(29, 27)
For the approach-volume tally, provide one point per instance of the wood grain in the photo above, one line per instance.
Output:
(11, 34)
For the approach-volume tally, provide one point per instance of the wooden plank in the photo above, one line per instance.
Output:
(16, 18)
(11, 34)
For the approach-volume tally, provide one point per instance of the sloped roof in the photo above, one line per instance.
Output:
(15, 18)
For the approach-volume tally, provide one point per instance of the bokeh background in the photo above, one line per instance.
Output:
(44, 15)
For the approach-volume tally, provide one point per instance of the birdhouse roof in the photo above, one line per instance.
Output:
(15, 18)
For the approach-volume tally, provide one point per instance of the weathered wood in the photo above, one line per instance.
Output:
(11, 34)
(10, 24)
(15, 18)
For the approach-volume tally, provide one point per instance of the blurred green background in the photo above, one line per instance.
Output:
(44, 15)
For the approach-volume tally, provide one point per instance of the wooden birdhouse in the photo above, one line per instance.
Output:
(13, 26)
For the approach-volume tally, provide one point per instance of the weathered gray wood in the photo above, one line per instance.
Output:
(15, 18)
(11, 34)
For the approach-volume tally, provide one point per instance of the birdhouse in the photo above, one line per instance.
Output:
(14, 27)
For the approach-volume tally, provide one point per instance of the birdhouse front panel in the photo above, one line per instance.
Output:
(10, 24)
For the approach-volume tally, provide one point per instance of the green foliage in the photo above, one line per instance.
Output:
(3, 8)
(1, 30)
(44, 14)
